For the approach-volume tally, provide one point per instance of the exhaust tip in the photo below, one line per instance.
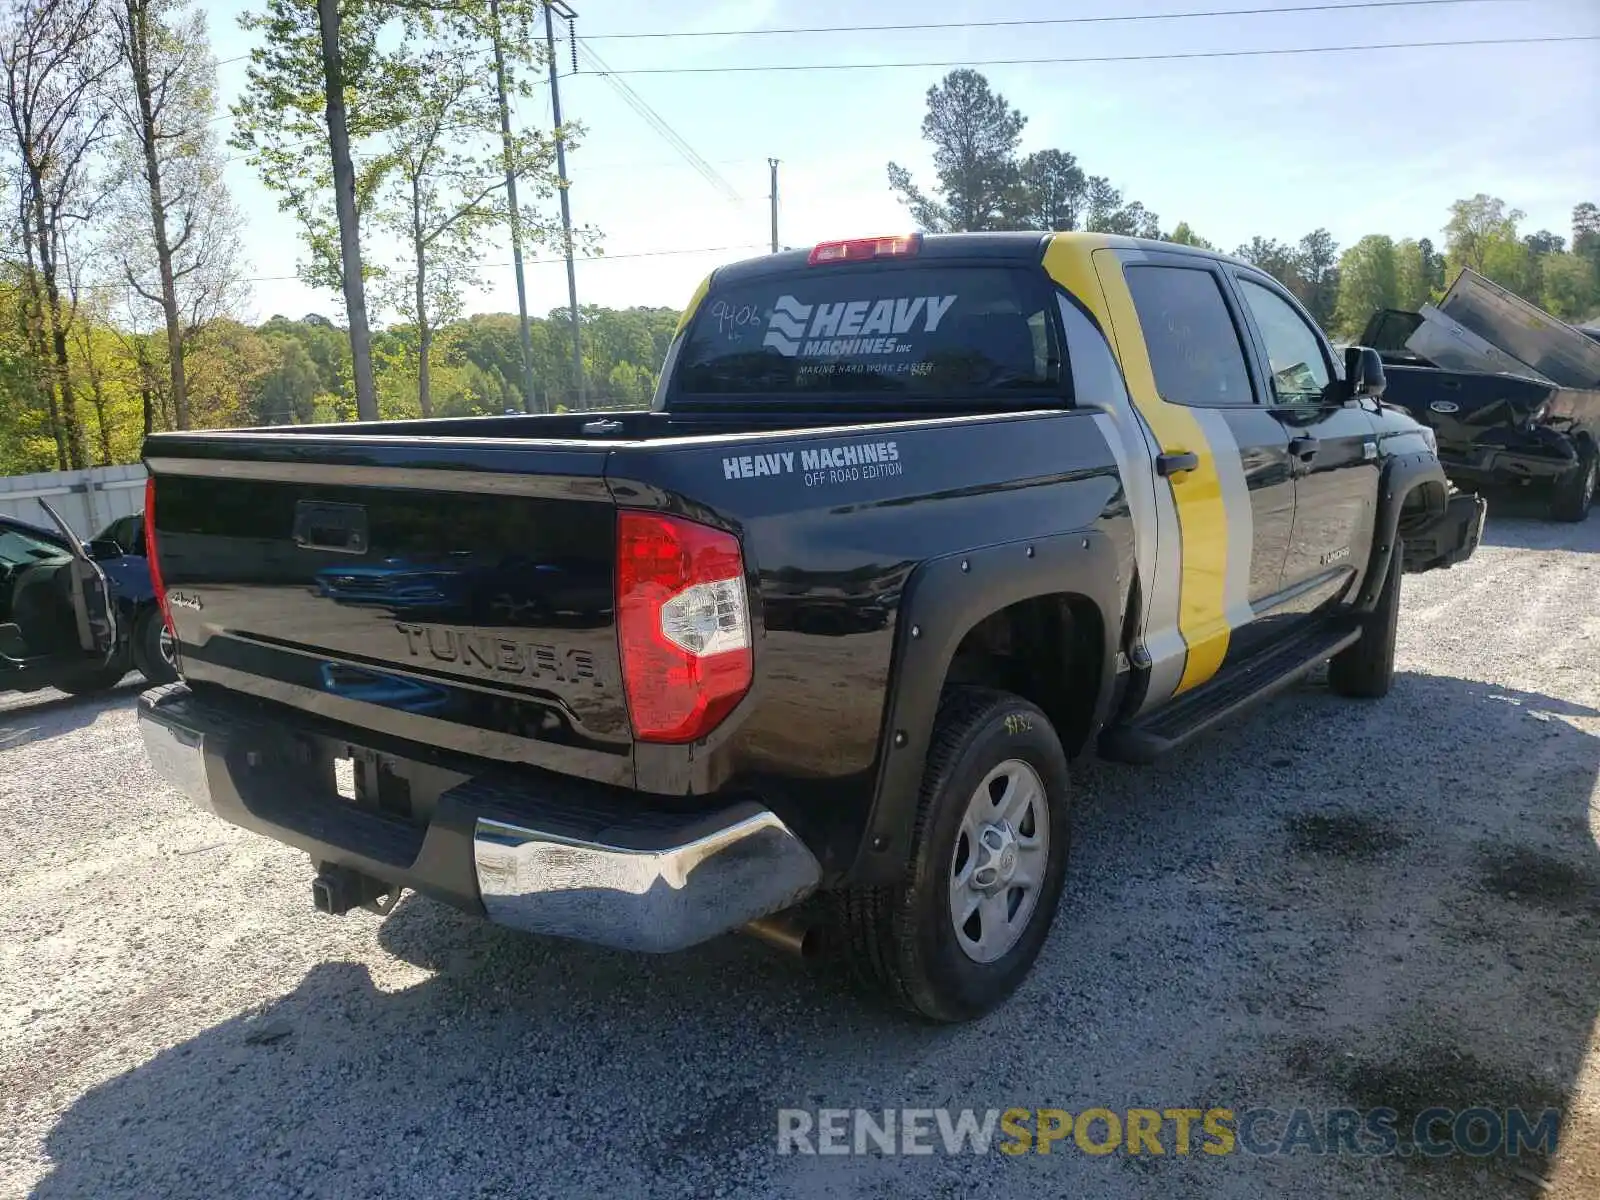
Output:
(794, 937)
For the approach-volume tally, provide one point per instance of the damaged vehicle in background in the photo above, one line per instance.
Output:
(1512, 393)
(74, 615)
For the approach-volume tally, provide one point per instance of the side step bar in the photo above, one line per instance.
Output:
(1230, 693)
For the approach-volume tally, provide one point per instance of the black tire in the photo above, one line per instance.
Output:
(1575, 492)
(1366, 669)
(89, 683)
(902, 938)
(148, 658)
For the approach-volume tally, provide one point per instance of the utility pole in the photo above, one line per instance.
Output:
(512, 211)
(561, 170)
(773, 163)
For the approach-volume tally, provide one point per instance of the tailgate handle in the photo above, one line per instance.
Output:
(338, 527)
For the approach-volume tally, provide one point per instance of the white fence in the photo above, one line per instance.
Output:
(87, 500)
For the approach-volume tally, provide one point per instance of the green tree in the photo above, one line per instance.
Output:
(1544, 242)
(974, 133)
(287, 391)
(27, 432)
(629, 384)
(1272, 256)
(1107, 212)
(325, 344)
(104, 376)
(1482, 234)
(1308, 268)
(1051, 189)
(1184, 236)
(1316, 275)
(286, 108)
(1586, 232)
(227, 362)
(490, 340)
(1571, 287)
(1433, 267)
(1539, 247)
(1412, 283)
(1368, 281)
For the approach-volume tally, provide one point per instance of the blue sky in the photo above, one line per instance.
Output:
(1359, 143)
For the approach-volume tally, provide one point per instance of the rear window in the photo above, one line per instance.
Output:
(908, 331)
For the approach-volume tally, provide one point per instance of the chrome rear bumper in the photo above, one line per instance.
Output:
(591, 864)
(662, 890)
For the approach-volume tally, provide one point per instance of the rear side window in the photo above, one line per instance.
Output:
(1390, 329)
(906, 331)
(1194, 348)
(1096, 378)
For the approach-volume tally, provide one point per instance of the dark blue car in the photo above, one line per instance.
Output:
(77, 616)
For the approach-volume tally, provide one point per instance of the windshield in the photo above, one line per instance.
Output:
(901, 331)
(18, 549)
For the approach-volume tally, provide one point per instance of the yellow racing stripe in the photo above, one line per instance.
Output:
(1088, 265)
(693, 306)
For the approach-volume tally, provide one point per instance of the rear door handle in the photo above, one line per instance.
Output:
(1168, 465)
(1304, 448)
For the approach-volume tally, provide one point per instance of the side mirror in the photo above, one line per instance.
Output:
(1363, 373)
(104, 548)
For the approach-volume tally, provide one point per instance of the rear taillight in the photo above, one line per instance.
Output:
(150, 556)
(860, 249)
(683, 625)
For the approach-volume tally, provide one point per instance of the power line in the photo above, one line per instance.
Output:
(1027, 21)
(658, 123)
(1106, 58)
(532, 262)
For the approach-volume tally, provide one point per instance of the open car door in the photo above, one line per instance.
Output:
(91, 597)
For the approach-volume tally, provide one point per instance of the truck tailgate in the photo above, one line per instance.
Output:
(455, 595)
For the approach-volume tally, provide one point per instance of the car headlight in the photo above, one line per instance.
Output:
(1433, 442)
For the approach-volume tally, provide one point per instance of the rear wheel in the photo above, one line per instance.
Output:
(957, 936)
(1574, 494)
(1366, 669)
(90, 682)
(152, 648)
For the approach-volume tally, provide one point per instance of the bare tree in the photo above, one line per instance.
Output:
(344, 194)
(185, 262)
(55, 59)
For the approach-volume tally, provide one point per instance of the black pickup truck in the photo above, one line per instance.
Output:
(912, 522)
(1511, 393)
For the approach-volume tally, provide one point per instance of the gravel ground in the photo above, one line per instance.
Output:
(1329, 904)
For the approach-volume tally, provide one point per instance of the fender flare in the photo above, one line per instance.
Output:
(1402, 474)
(944, 599)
